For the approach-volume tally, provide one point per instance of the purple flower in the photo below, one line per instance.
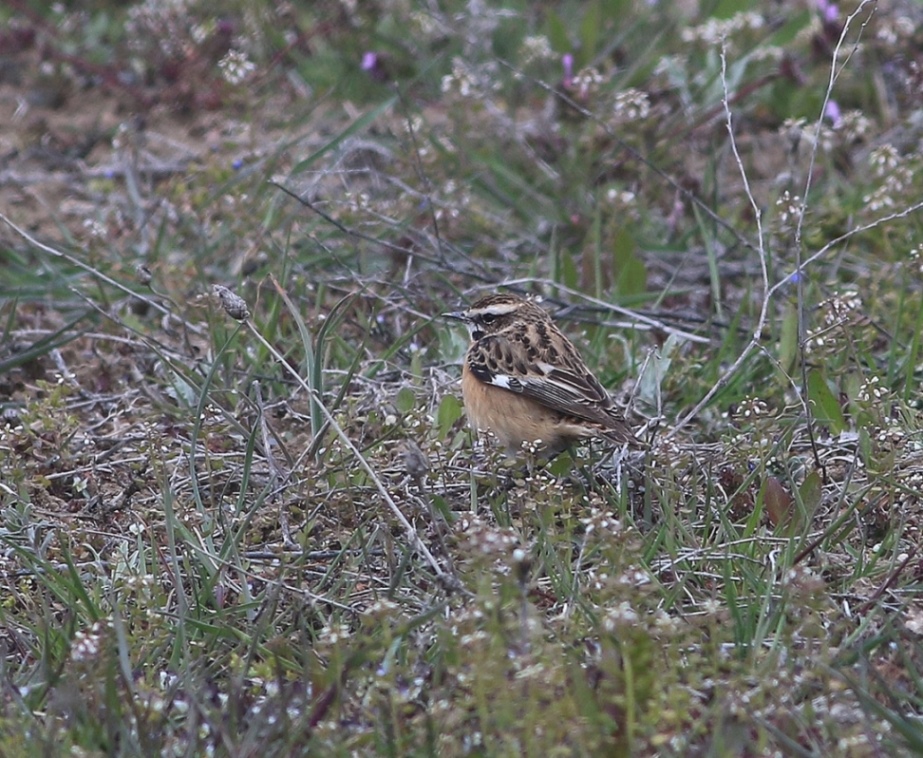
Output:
(375, 65)
(568, 61)
(369, 61)
(833, 112)
(828, 10)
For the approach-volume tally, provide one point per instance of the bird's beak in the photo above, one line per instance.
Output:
(456, 316)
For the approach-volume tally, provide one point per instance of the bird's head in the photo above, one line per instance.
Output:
(496, 313)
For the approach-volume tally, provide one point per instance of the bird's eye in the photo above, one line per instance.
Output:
(488, 318)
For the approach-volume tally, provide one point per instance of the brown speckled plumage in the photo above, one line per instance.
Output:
(524, 381)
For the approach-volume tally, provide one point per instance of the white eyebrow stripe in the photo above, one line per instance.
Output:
(496, 310)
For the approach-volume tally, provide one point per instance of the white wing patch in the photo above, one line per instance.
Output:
(501, 380)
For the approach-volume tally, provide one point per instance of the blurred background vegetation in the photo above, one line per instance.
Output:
(251, 520)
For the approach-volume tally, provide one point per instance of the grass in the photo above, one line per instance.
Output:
(249, 519)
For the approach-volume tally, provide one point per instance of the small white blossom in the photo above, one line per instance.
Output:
(790, 207)
(236, 67)
(536, 48)
(632, 105)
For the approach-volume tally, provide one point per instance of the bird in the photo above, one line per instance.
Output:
(524, 381)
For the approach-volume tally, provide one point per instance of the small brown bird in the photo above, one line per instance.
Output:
(523, 380)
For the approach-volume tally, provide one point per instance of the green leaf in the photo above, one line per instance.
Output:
(808, 500)
(561, 466)
(866, 448)
(313, 369)
(442, 507)
(568, 275)
(811, 492)
(631, 275)
(656, 371)
(450, 410)
(788, 339)
(405, 400)
(557, 34)
(824, 404)
(590, 31)
(613, 10)
(726, 8)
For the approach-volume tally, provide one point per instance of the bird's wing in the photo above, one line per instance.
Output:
(569, 388)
